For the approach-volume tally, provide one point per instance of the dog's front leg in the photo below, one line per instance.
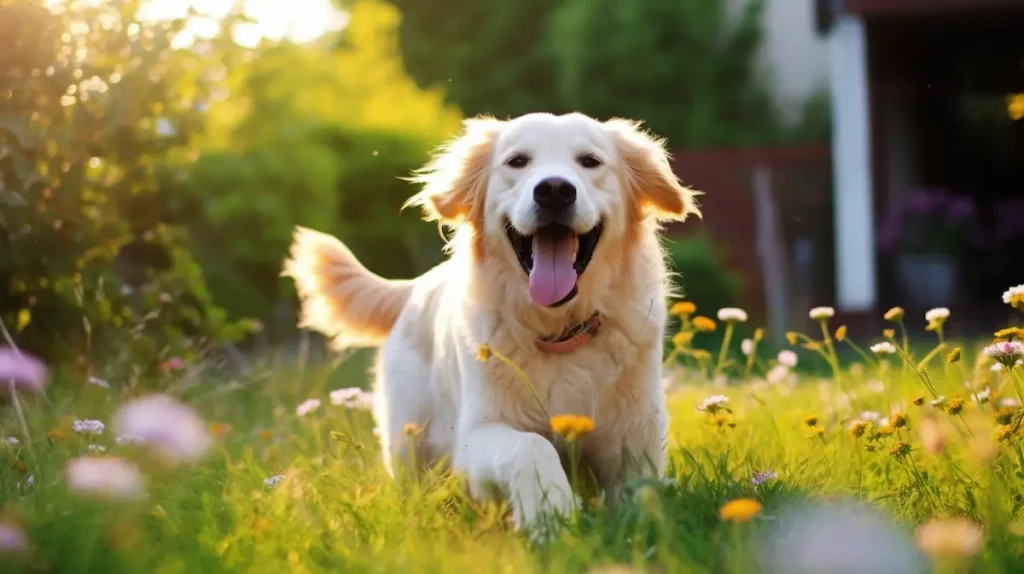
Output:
(524, 465)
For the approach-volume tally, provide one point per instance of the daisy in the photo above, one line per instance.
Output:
(713, 403)
(982, 396)
(104, 477)
(937, 315)
(822, 313)
(307, 406)
(939, 401)
(787, 358)
(1014, 296)
(732, 315)
(169, 427)
(883, 348)
(1006, 352)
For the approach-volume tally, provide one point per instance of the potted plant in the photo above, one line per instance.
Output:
(928, 230)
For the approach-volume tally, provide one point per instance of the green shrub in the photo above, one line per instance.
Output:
(702, 274)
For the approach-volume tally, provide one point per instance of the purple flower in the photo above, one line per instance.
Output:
(12, 539)
(25, 370)
(764, 476)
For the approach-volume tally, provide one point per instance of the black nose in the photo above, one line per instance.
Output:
(554, 193)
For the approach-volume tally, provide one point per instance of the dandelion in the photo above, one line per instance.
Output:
(884, 348)
(954, 356)
(169, 427)
(12, 539)
(1014, 296)
(899, 420)
(894, 315)
(732, 315)
(104, 477)
(747, 346)
(982, 396)
(411, 429)
(787, 358)
(1010, 333)
(841, 333)
(762, 477)
(682, 338)
(858, 428)
(88, 426)
(722, 419)
(713, 404)
(572, 426)
(26, 371)
(273, 480)
(812, 346)
(758, 334)
(740, 510)
(307, 406)
(98, 382)
(792, 337)
(1004, 416)
(704, 324)
(955, 406)
(815, 432)
(938, 402)
(483, 354)
(1006, 352)
(683, 308)
(822, 313)
(949, 538)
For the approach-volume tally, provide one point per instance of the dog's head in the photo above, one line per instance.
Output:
(551, 194)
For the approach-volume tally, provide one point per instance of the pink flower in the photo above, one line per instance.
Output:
(104, 477)
(172, 364)
(25, 370)
(171, 428)
(12, 539)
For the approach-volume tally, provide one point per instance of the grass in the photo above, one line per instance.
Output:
(337, 510)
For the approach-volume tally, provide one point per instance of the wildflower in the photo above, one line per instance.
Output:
(982, 396)
(1009, 402)
(955, 406)
(682, 338)
(858, 428)
(97, 448)
(1014, 296)
(740, 510)
(169, 427)
(713, 404)
(787, 358)
(953, 356)
(700, 354)
(722, 419)
(128, 439)
(1004, 415)
(815, 432)
(759, 478)
(1010, 333)
(885, 429)
(933, 437)
(703, 324)
(219, 430)
(899, 420)
(822, 313)
(683, 308)
(1006, 352)
(98, 382)
(572, 426)
(871, 416)
(758, 334)
(792, 337)
(747, 346)
(273, 480)
(841, 333)
(352, 397)
(938, 402)
(26, 371)
(411, 429)
(884, 348)
(936, 317)
(894, 315)
(888, 333)
(949, 537)
(777, 374)
(104, 477)
(12, 441)
(172, 364)
(899, 450)
(12, 539)
(918, 400)
(481, 355)
(88, 426)
(812, 346)
(1003, 433)
(307, 406)
(732, 315)
(811, 420)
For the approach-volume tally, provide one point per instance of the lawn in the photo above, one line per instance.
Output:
(865, 468)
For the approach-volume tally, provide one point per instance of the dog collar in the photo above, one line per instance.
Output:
(572, 338)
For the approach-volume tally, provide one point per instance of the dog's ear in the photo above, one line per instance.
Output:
(455, 180)
(647, 175)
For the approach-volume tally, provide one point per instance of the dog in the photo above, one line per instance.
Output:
(555, 263)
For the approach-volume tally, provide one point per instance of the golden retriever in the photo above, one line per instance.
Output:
(555, 263)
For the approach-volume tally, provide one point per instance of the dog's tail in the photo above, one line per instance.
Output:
(340, 297)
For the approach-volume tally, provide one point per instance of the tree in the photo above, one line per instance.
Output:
(686, 67)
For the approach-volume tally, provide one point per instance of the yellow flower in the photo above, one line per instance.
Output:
(933, 326)
(411, 429)
(700, 354)
(949, 537)
(1004, 416)
(812, 346)
(572, 426)
(899, 420)
(954, 356)
(704, 324)
(859, 428)
(1010, 333)
(57, 434)
(758, 334)
(895, 314)
(484, 353)
(841, 333)
(811, 420)
(792, 337)
(815, 432)
(682, 338)
(955, 406)
(918, 400)
(887, 430)
(1003, 433)
(889, 333)
(683, 308)
(900, 450)
(740, 510)
(722, 419)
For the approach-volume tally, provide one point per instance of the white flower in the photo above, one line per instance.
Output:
(98, 382)
(982, 396)
(872, 416)
(12, 539)
(30, 480)
(937, 315)
(97, 448)
(996, 367)
(883, 348)
(104, 477)
(273, 481)
(88, 426)
(13, 441)
(787, 358)
(1006, 352)
(352, 398)
(777, 374)
(1009, 402)
(169, 427)
(128, 439)
(713, 403)
(732, 314)
(822, 313)
(747, 346)
(939, 401)
(307, 406)
(1013, 294)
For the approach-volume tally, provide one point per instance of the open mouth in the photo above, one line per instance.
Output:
(555, 257)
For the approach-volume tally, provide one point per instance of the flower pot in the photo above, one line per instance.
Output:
(928, 280)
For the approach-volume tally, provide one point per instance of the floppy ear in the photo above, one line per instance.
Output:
(647, 174)
(455, 180)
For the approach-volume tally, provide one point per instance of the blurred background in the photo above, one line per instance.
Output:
(156, 155)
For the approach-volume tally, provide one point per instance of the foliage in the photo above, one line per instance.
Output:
(702, 274)
(91, 100)
(930, 221)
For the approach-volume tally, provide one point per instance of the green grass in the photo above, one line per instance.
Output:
(337, 510)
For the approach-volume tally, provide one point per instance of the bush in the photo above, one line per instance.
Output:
(703, 277)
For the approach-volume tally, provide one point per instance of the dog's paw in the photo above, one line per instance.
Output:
(540, 513)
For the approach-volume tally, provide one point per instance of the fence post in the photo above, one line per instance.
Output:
(771, 251)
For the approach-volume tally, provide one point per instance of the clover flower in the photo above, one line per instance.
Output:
(88, 426)
(12, 539)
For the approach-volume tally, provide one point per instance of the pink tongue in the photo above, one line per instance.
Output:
(553, 276)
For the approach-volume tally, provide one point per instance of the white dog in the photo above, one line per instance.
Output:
(556, 264)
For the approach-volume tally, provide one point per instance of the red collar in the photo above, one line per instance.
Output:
(571, 339)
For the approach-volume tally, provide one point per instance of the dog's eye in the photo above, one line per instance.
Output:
(588, 161)
(517, 161)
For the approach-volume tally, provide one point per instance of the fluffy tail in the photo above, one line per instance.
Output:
(339, 297)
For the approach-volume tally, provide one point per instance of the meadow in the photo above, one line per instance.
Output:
(907, 459)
